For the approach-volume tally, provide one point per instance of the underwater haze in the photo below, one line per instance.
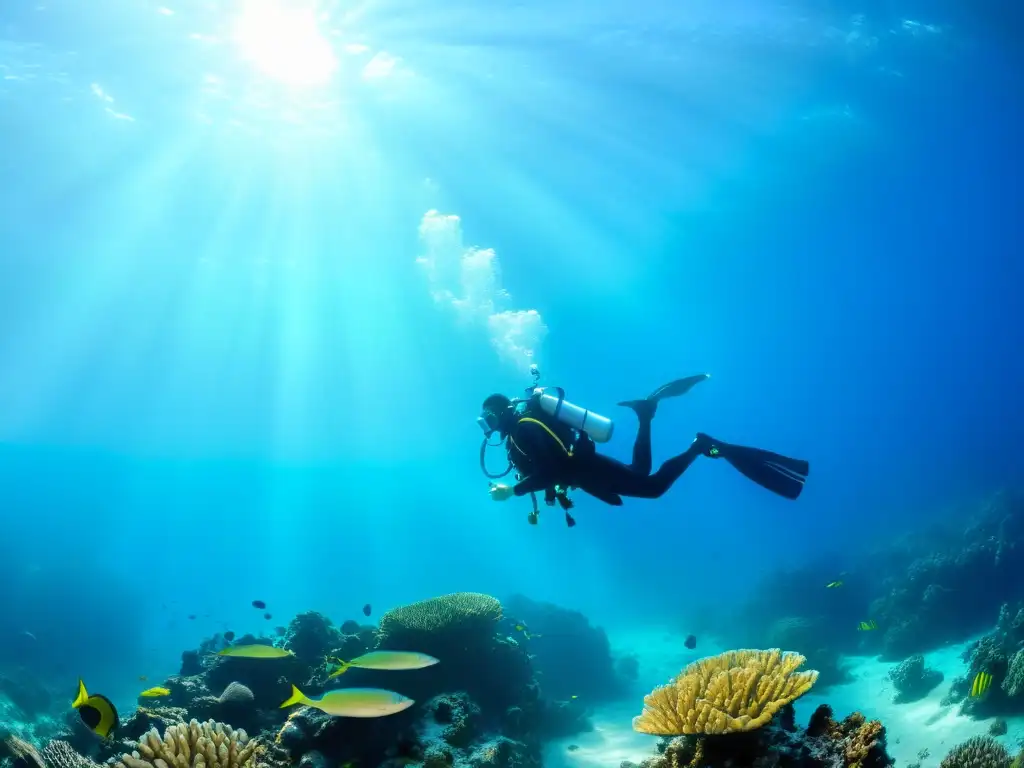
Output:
(262, 261)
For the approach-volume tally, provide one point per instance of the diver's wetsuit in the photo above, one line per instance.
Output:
(541, 452)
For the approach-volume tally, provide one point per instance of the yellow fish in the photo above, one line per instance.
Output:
(833, 584)
(867, 626)
(981, 683)
(390, 660)
(255, 652)
(97, 712)
(152, 693)
(353, 702)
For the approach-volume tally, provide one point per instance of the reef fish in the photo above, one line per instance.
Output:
(229, 636)
(690, 642)
(267, 616)
(391, 660)
(255, 652)
(259, 604)
(867, 626)
(833, 584)
(981, 683)
(367, 610)
(97, 712)
(155, 692)
(353, 702)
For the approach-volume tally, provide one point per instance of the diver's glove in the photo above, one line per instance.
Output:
(501, 492)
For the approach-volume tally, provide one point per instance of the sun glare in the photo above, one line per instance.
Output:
(284, 43)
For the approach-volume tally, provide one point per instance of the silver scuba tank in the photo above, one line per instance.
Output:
(599, 427)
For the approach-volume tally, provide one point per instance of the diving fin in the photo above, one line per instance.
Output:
(779, 474)
(678, 387)
(645, 408)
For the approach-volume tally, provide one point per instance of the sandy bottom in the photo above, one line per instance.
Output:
(920, 728)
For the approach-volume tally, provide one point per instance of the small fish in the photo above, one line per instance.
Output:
(155, 692)
(367, 609)
(29, 635)
(867, 626)
(690, 642)
(255, 652)
(981, 683)
(259, 604)
(574, 696)
(390, 660)
(526, 632)
(97, 712)
(353, 702)
(191, 617)
(267, 616)
(143, 678)
(573, 747)
(229, 636)
(280, 631)
(833, 584)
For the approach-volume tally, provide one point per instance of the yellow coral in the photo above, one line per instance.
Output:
(195, 745)
(438, 614)
(734, 691)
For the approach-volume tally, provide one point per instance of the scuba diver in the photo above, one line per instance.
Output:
(551, 444)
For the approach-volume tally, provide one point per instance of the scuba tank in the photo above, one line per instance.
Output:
(600, 428)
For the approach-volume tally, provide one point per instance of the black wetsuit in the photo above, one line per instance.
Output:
(545, 454)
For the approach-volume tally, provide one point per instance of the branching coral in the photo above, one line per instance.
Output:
(979, 752)
(461, 610)
(196, 745)
(734, 691)
(60, 754)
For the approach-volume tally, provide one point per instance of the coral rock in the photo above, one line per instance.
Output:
(196, 745)
(913, 680)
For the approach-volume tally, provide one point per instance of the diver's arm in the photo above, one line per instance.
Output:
(531, 484)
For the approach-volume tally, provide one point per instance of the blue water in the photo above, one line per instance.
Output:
(225, 377)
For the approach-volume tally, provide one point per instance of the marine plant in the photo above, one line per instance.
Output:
(734, 691)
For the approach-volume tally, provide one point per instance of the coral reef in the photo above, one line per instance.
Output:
(851, 743)
(461, 630)
(734, 691)
(574, 658)
(480, 706)
(979, 752)
(936, 586)
(913, 680)
(1001, 654)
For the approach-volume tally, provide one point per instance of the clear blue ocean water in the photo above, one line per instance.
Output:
(258, 272)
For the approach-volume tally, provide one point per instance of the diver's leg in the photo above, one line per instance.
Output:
(645, 410)
(642, 445)
(617, 478)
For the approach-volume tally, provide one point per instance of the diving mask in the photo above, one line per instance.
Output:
(488, 422)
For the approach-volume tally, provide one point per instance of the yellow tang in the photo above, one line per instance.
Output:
(152, 693)
(353, 702)
(97, 712)
(982, 681)
(255, 652)
(867, 626)
(391, 660)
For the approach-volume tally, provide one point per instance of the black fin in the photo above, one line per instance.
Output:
(779, 474)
